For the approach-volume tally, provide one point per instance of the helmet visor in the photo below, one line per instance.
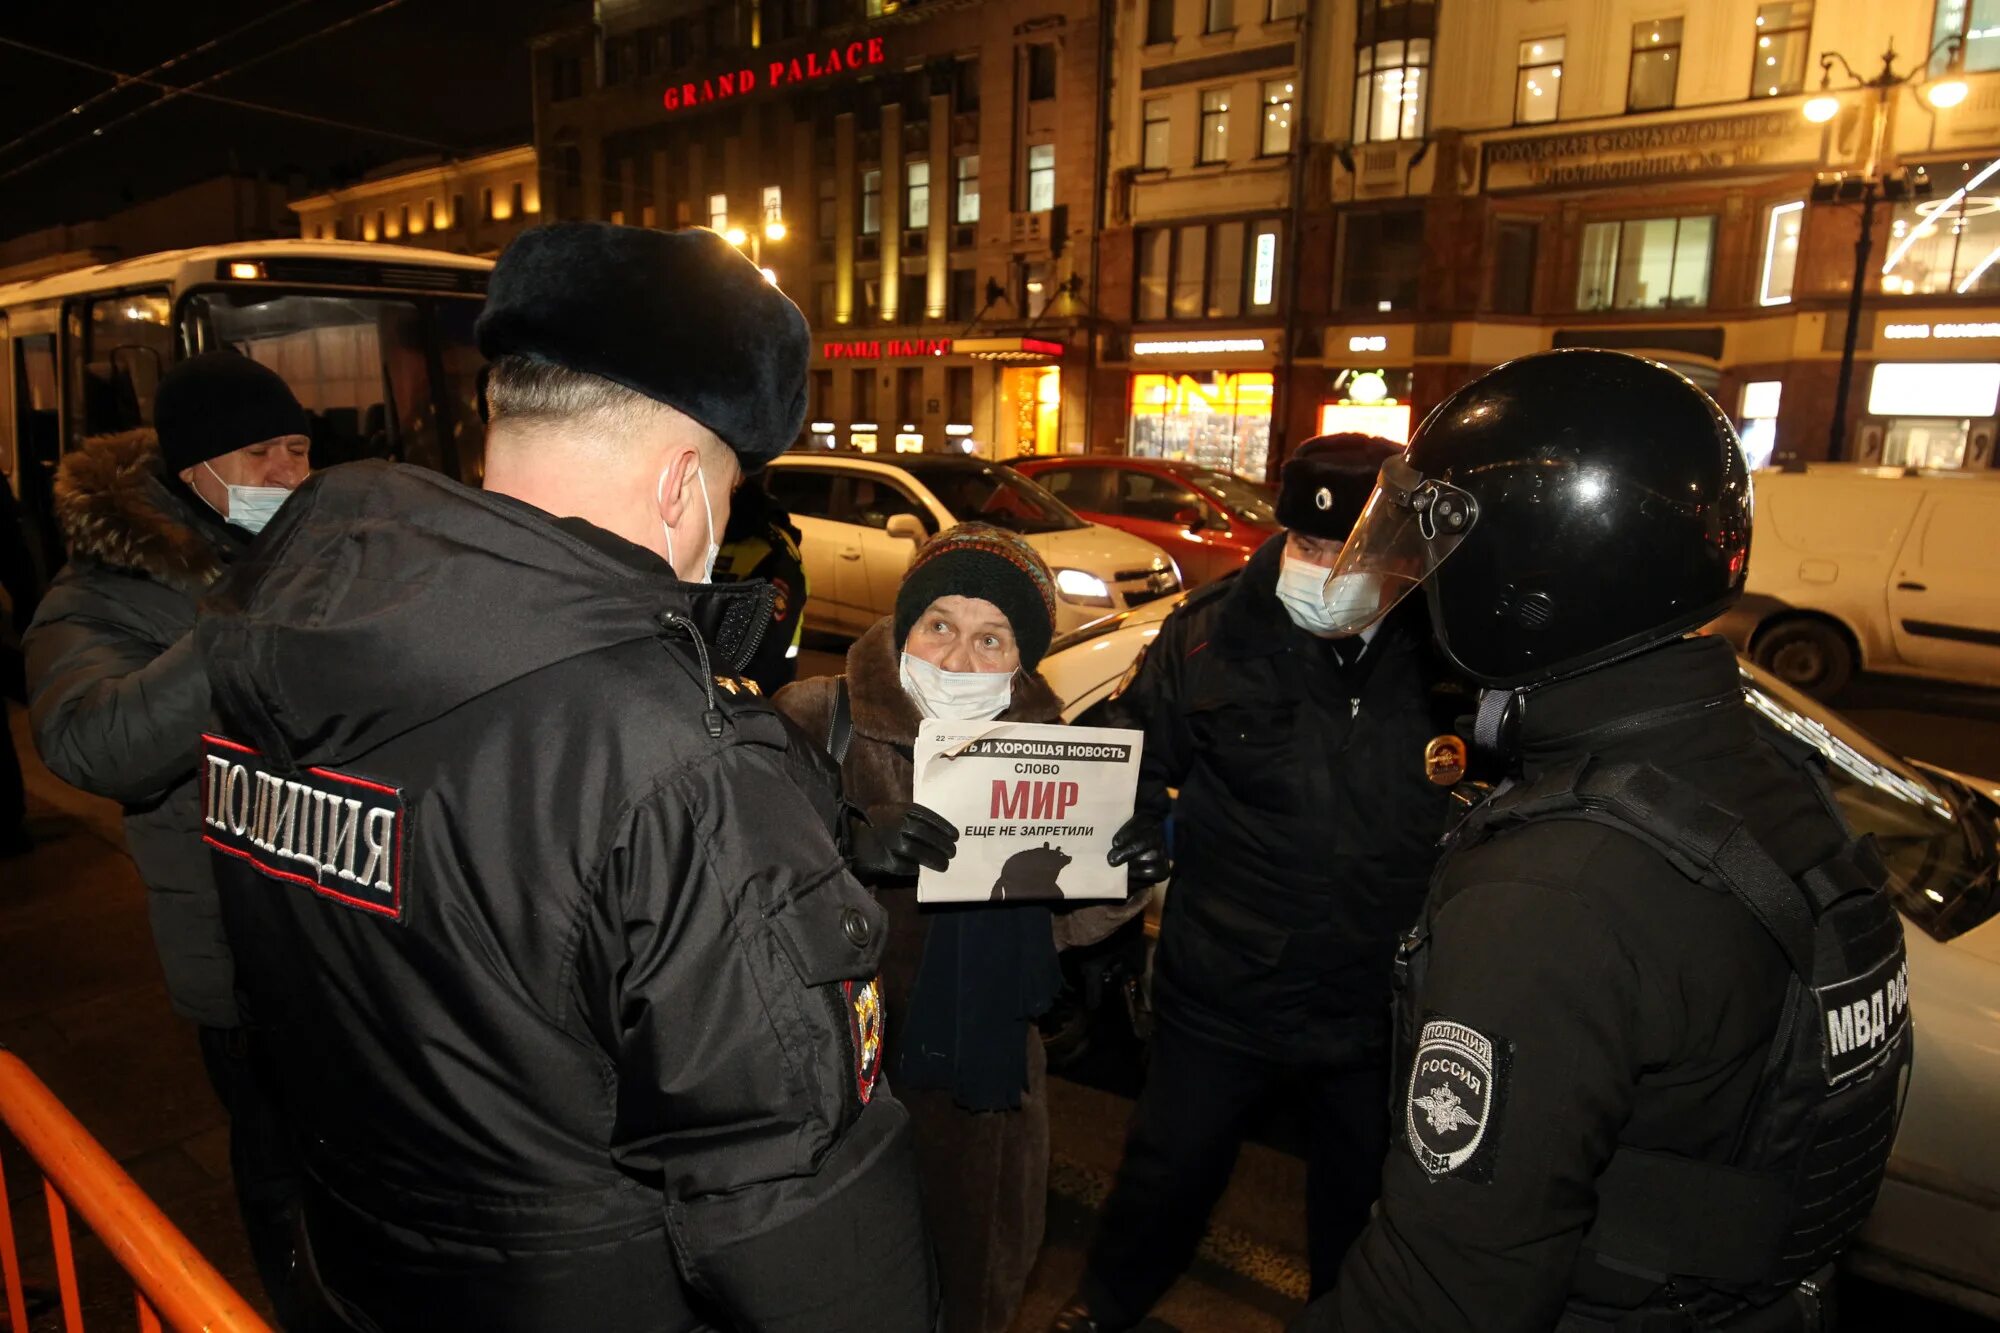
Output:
(1411, 523)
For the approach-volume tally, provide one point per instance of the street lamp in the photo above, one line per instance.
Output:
(1872, 186)
(773, 230)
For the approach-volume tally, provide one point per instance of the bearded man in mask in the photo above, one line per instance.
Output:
(1307, 776)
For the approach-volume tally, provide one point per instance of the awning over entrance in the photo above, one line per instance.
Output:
(1021, 351)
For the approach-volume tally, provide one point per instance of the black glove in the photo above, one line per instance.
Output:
(897, 838)
(1141, 847)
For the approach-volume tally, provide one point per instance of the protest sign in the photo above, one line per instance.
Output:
(1036, 807)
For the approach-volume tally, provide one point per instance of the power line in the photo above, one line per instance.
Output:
(145, 76)
(192, 88)
(237, 102)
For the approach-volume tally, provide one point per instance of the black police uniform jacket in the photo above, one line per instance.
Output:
(1626, 1007)
(556, 966)
(1305, 830)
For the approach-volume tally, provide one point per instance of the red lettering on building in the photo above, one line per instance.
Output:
(871, 349)
(813, 65)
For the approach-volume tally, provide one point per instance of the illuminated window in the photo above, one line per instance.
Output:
(917, 188)
(1214, 125)
(1276, 130)
(965, 187)
(871, 202)
(1949, 242)
(1220, 420)
(1391, 90)
(1041, 177)
(1538, 81)
(718, 212)
(1645, 264)
(774, 204)
(1778, 62)
(1781, 251)
(1656, 65)
(1207, 271)
(1155, 137)
(1977, 22)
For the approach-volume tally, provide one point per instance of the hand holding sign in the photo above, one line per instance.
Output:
(1037, 808)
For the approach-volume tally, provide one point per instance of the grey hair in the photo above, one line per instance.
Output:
(532, 392)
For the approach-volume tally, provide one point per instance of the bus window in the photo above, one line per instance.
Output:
(38, 439)
(361, 367)
(460, 363)
(119, 348)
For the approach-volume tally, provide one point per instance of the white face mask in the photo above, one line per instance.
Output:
(1302, 587)
(249, 507)
(961, 696)
(714, 547)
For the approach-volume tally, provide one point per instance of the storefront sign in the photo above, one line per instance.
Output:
(1895, 332)
(1197, 346)
(778, 73)
(1390, 421)
(1623, 154)
(879, 349)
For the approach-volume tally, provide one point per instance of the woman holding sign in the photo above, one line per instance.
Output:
(963, 984)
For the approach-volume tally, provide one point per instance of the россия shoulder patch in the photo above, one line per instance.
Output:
(1458, 1090)
(339, 835)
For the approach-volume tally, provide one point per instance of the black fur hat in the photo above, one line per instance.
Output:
(1327, 481)
(681, 317)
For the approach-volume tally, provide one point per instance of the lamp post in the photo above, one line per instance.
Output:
(773, 230)
(1872, 186)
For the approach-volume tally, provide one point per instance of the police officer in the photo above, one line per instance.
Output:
(762, 542)
(1655, 1020)
(552, 959)
(1294, 879)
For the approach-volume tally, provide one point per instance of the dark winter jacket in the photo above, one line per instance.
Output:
(1627, 1005)
(117, 695)
(554, 962)
(985, 1173)
(1305, 828)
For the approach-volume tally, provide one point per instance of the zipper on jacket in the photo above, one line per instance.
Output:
(711, 718)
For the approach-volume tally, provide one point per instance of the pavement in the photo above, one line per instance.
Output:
(82, 1001)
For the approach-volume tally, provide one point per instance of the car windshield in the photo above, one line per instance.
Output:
(1240, 496)
(990, 493)
(1935, 836)
(380, 376)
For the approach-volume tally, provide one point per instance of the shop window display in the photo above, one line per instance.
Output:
(1219, 419)
(1951, 241)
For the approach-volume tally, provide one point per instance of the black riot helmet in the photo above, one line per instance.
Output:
(1591, 503)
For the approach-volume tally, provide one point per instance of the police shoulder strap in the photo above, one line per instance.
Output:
(1705, 842)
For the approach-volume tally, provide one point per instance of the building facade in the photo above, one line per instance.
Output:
(468, 206)
(920, 178)
(225, 208)
(1329, 215)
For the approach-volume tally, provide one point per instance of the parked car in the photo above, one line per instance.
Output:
(862, 518)
(1936, 1227)
(1871, 569)
(1208, 521)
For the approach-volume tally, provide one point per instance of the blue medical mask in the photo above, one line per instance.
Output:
(250, 507)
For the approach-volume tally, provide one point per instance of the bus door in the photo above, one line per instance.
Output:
(35, 423)
(117, 347)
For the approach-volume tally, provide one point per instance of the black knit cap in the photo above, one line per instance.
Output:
(681, 317)
(980, 560)
(1327, 481)
(218, 402)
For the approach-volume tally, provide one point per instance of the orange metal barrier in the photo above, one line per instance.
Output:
(171, 1280)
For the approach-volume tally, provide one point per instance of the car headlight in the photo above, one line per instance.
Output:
(1082, 587)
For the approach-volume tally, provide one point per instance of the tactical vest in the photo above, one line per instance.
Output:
(1811, 1154)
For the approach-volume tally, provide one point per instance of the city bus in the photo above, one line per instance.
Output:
(376, 341)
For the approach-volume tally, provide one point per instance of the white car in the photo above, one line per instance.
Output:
(862, 518)
(1936, 1228)
(1871, 569)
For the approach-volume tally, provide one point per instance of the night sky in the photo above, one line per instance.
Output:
(450, 71)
